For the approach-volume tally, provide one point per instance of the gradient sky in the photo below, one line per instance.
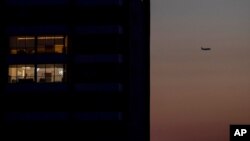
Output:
(196, 95)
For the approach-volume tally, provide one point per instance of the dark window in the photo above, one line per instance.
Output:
(101, 30)
(100, 2)
(35, 2)
(98, 116)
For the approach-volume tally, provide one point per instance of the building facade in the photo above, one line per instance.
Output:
(76, 69)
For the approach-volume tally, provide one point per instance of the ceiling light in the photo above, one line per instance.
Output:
(25, 38)
(50, 37)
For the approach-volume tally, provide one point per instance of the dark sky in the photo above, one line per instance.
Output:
(196, 94)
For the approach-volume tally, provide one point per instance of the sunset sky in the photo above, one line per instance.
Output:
(196, 95)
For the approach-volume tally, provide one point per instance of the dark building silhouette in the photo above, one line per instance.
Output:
(76, 69)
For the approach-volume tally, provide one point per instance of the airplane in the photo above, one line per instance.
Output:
(202, 48)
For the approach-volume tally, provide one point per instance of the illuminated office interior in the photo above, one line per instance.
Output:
(40, 73)
(38, 44)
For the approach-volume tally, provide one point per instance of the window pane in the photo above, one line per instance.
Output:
(49, 74)
(29, 72)
(59, 73)
(22, 44)
(45, 44)
(21, 73)
(12, 74)
(41, 73)
(40, 45)
(59, 45)
(50, 44)
(46, 73)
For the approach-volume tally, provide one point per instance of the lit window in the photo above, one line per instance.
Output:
(22, 45)
(38, 44)
(21, 73)
(51, 44)
(50, 73)
(45, 73)
(60, 72)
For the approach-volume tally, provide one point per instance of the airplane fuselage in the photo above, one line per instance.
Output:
(205, 48)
